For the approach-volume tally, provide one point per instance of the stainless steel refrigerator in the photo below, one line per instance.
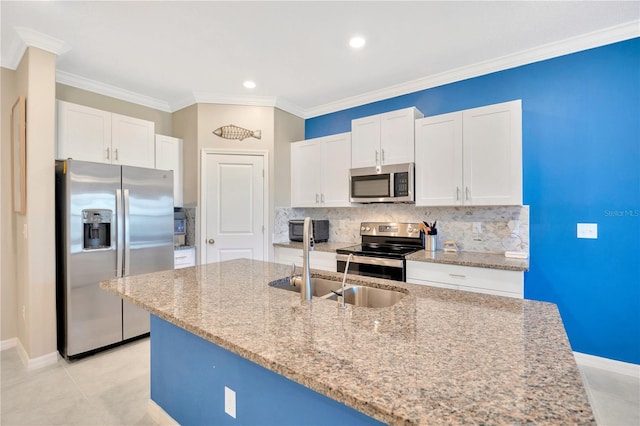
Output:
(111, 221)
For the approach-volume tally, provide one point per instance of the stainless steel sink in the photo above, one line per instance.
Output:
(369, 297)
(320, 286)
(356, 295)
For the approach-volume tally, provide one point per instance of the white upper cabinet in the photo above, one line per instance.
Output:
(169, 157)
(439, 160)
(384, 138)
(83, 133)
(320, 171)
(90, 134)
(492, 153)
(471, 157)
(132, 141)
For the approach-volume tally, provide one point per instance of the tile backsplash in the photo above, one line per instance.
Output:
(502, 228)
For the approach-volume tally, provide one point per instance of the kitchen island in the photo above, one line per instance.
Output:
(437, 356)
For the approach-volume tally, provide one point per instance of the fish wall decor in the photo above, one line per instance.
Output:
(234, 132)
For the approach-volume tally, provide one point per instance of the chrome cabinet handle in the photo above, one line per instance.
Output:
(457, 276)
(211, 241)
(376, 156)
(317, 198)
(322, 198)
(382, 162)
(108, 149)
(457, 193)
(116, 154)
(467, 193)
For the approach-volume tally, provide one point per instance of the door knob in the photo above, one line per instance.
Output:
(211, 241)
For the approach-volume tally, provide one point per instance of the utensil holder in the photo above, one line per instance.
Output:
(430, 242)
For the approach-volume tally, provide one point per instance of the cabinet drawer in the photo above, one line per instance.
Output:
(184, 258)
(481, 280)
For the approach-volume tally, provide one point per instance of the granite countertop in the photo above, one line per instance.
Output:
(437, 356)
(479, 260)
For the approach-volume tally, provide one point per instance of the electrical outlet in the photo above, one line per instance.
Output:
(230, 402)
(588, 230)
(477, 227)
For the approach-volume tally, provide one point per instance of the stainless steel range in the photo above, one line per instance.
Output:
(383, 250)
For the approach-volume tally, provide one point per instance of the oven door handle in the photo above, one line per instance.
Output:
(378, 261)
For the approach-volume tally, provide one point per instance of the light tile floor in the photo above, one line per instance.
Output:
(109, 388)
(112, 388)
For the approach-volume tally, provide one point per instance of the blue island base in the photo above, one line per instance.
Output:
(189, 376)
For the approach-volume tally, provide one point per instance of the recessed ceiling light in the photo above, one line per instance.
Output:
(357, 42)
(249, 84)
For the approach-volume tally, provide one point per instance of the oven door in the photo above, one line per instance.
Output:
(390, 269)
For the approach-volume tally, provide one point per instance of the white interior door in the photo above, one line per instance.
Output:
(234, 200)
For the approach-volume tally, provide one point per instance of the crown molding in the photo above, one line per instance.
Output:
(69, 79)
(564, 47)
(32, 38)
(552, 50)
(268, 101)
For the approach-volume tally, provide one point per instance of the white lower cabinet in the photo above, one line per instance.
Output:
(479, 280)
(323, 260)
(184, 258)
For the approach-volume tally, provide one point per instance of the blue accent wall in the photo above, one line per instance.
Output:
(581, 163)
(188, 376)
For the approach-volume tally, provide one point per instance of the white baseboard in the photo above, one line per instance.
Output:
(38, 362)
(160, 416)
(8, 344)
(611, 365)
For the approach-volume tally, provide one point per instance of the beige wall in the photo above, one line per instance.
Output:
(288, 128)
(94, 100)
(185, 127)
(32, 236)
(8, 289)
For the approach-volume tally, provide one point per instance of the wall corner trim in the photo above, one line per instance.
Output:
(38, 362)
(611, 365)
(160, 416)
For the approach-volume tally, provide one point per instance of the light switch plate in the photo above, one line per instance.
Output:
(230, 402)
(588, 230)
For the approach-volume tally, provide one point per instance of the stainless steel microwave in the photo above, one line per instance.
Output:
(392, 183)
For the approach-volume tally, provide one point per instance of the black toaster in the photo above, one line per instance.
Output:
(320, 230)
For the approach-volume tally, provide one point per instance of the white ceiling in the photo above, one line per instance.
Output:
(171, 54)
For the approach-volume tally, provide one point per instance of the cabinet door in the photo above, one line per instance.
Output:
(439, 160)
(132, 141)
(365, 142)
(336, 161)
(397, 136)
(305, 173)
(169, 157)
(492, 152)
(83, 133)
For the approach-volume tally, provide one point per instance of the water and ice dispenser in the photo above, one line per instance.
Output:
(97, 228)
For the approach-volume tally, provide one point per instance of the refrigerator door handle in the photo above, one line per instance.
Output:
(127, 240)
(119, 226)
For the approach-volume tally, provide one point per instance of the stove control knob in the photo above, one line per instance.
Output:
(410, 230)
(368, 229)
(362, 228)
